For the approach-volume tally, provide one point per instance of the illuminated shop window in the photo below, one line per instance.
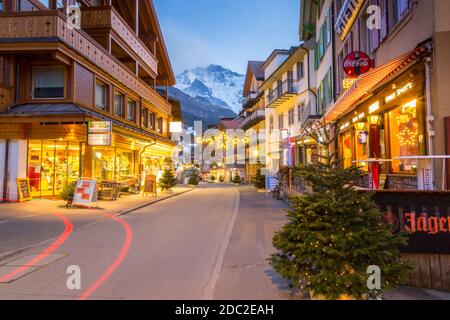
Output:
(404, 135)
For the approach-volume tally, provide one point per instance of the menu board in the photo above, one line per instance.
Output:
(85, 192)
(150, 185)
(24, 190)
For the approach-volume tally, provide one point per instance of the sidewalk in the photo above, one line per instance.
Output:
(246, 274)
(26, 224)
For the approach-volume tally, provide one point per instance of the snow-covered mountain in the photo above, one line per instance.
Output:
(215, 85)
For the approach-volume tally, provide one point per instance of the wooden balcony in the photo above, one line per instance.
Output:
(107, 19)
(32, 31)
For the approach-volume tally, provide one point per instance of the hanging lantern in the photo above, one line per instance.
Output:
(360, 126)
(374, 120)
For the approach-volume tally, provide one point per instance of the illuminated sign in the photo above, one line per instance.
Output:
(345, 126)
(99, 127)
(373, 108)
(398, 92)
(356, 63)
(95, 139)
(348, 82)
(359, 117)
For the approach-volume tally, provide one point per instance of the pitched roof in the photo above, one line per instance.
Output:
(257, 69)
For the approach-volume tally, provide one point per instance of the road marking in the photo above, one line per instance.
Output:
(117, 262)
(208, 293)
(55, 245)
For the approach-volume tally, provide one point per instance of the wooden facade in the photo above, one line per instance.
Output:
(58, 72)
(42, 37)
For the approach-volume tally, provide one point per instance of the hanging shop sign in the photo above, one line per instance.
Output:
(86, 192)
(24, 190)
(423, 216)
(99, 127)
(99, 133)
(357, 63)
(97, 140)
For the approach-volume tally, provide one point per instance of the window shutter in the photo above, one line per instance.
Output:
(384, 20)
(375, 35)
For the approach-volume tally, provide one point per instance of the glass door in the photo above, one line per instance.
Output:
(48, 168)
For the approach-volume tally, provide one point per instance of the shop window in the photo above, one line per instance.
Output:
(103, 164)
(52, 165)
(152, 121)
(118, 104)
(49, 82)
(100, 95)
(404, 135)
(145, 118)
(347, 149)
(124, 164)
(131, 110)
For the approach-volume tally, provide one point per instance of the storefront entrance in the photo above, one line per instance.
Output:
(52, 165)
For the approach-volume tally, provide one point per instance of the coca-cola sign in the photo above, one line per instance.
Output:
(357, 63)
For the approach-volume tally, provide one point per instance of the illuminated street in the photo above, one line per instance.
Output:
(179, 249)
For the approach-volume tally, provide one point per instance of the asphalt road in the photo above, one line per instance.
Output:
(175, 249)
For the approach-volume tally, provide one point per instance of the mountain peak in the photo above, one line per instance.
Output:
(220, 86)
(215, 68)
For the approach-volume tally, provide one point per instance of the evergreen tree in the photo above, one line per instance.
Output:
(213, 178)
(194, 178)
(335, 233)
(260, 180)
(237, 178)
(168, 180)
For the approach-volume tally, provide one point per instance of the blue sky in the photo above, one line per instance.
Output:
(226, 32)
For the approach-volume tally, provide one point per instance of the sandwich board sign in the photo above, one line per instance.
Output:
(150, 185)
(24, 190)
(85, 193)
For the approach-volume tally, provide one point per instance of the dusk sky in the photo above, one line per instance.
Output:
(228, 33)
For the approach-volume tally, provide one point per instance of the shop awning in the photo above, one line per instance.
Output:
(69, 109)
(366, 83)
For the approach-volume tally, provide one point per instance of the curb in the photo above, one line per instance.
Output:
(141, 206)
(15, 252)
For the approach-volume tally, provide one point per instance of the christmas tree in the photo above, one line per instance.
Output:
(168, 180)
(237, 178)
(259, 180)
(193, 178)
(335, 233)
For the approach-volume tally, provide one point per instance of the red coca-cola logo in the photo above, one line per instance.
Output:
(357, 63)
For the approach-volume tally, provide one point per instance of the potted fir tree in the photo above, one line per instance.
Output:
(194, 179)
(260, 181)
(335, 233)
(167, 181)
(237, 179)
(213, 178)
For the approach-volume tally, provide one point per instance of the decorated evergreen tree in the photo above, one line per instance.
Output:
(260, 180)
(237, 178)
(194, 178)
(335, 233)
(168, 180)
